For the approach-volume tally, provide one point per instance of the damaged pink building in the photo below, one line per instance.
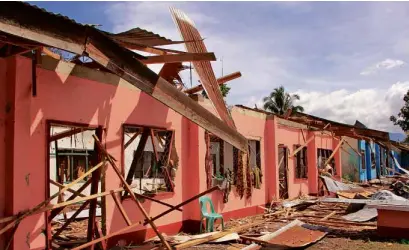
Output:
(76, 96)
(53, 109)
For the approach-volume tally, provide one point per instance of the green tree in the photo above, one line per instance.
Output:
(402, 120)
(279, 101)
(223, 88)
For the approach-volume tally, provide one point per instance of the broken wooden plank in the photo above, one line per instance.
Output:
(129, 190)
(50, 53)
(328, 216)
(222, 80)
(37, 208)
(82, 188)
(71, 219)
(217, 235)
(185, 57)
(334, 152)
(137, 155)
(131, 140)
(64, 134)
(302, 146)
(121, 231)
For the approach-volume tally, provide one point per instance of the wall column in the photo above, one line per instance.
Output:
(312, 164)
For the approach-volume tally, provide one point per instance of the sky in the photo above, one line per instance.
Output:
(346, 60)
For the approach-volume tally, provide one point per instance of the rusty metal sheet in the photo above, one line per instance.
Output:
(203, 69)
(295, 235)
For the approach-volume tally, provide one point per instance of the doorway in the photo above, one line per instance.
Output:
(282, 171)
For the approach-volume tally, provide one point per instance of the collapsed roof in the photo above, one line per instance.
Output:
(24, 28)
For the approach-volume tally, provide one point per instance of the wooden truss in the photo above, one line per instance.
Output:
(220, 81)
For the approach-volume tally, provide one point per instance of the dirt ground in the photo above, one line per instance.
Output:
(335, 241)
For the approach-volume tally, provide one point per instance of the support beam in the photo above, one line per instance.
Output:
(137, 155)
(72, 197)
(186, 57)
(125, 229)
(50, 53)
(95, 179)
(133, 196)
(131, 140)
(39, 208)
(302, 146)
(64, 134)
(220, 81)
(334, 152)
(71, 219)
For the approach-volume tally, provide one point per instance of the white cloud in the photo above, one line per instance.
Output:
(386, 64)
(373, 107)
(317, 52)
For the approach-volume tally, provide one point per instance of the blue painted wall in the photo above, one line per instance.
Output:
(362, 169)
(367, 172)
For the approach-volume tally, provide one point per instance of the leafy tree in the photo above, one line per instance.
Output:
(223, 88)
(279, 101)
(402, 120)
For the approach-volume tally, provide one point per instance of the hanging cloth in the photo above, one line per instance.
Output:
(257, 177)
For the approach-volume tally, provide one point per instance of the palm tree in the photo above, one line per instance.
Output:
(279, 101)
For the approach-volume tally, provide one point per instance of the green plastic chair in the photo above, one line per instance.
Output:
(210, 217)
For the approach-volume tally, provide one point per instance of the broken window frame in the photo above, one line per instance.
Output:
(325, 154)
(97, 179)
(300, 163)
(69, 152)
(156, 158)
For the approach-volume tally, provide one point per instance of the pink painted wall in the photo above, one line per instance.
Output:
(253, 128)
(68, 98)
(3, 105)
(289, 137)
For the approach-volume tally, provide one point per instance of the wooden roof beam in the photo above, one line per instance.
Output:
(68, 36)
(186, 57)
(220, 81)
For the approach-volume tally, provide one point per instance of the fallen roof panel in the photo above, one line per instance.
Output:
(204, 69)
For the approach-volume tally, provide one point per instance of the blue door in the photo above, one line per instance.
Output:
(370, 160)
(362, 161)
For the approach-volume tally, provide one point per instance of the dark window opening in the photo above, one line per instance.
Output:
(301, 163)
(363, 160)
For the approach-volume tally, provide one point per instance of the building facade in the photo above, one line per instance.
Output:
(70, 95)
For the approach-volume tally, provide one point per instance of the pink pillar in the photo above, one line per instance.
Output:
(337, 159)
(26, 149)
(190, 170)
(271, 160)
(312, 165)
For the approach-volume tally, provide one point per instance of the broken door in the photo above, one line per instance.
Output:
(282, 171)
